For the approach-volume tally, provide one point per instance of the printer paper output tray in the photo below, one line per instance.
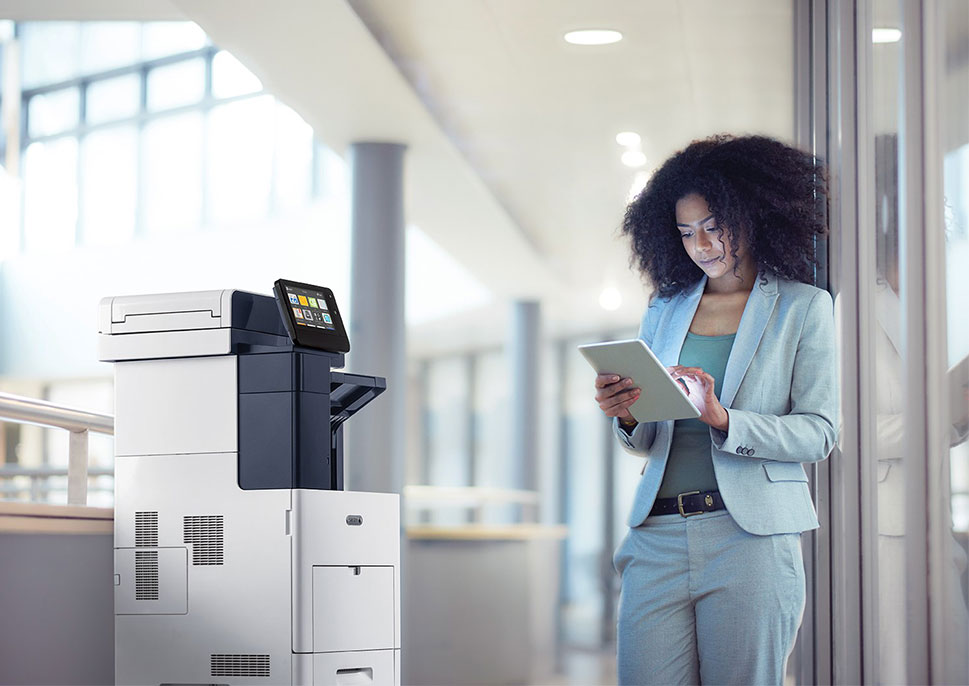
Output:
(349, 393)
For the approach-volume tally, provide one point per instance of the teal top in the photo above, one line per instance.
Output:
(690, 464)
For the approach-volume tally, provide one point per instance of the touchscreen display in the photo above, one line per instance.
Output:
(311, 316)
(309, 308)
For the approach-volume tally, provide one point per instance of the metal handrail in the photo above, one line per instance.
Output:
(22, 410)
(9, 472)
(16, 408)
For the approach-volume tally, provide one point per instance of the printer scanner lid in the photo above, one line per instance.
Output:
(189, 311)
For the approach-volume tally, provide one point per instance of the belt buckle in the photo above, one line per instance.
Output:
(679, 504)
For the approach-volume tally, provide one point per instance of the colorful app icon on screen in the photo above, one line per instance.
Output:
(302, 301)
(312, 302)
(322, 303)
(327, 318)
(298, 312)
(293, 299)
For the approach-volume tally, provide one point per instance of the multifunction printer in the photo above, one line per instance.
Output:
(239, 558)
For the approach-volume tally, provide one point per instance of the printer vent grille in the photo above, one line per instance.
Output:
(146, 529)
(146, 575)
(239, 665)
(204, 532)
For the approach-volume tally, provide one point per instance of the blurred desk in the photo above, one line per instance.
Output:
(480, 603)
(43, 518)
(485, 532)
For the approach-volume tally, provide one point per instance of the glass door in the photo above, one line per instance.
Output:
(889, 461)
(947, 35)
(915, 217)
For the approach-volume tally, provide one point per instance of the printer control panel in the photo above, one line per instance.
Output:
(311, 316)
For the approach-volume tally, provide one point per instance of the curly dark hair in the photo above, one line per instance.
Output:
(765, 194)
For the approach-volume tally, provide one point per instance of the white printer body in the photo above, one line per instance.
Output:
(239, 558)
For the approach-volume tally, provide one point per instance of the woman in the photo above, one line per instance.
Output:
(711, 568)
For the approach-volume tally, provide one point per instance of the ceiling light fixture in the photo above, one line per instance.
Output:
(886, 35)
(593, 37)
(610, 299)
(633, 158)
(628, 139)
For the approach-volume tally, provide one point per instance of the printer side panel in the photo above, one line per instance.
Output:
(202, 568)
(202, 586)
(173, 406)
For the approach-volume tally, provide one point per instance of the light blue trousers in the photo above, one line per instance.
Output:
(705, 602)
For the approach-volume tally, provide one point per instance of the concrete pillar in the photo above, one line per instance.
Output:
(374, 454)
(523, 349)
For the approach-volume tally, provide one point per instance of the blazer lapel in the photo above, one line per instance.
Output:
(757, 312)
(674, 329)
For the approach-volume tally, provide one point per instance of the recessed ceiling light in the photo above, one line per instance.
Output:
(629, 139)
(886, 35)
(633, 158)
(610, 299)
(593, 37)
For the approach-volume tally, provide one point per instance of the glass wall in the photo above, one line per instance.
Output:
(916, 372)
(888, 353)
(951, 661)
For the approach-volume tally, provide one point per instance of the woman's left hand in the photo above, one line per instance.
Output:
(700, 389)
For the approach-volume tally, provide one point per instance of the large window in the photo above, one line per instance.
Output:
(139, 129)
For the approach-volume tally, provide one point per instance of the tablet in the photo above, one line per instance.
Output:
(311, 316)
(662, 397)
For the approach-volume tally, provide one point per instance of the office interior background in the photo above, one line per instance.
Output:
(177, 145)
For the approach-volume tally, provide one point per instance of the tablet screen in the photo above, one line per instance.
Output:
(663, 396)
(311, 316)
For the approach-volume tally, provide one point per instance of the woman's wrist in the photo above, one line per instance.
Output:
(724, 423)
(627, 422)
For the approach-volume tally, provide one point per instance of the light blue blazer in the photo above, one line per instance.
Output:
(780, 390)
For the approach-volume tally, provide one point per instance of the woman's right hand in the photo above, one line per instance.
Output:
(615, 395)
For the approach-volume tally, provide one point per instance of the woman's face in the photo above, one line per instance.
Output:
(707, 245)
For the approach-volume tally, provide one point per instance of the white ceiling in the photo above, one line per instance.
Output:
(536, 117)
(512, 164)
